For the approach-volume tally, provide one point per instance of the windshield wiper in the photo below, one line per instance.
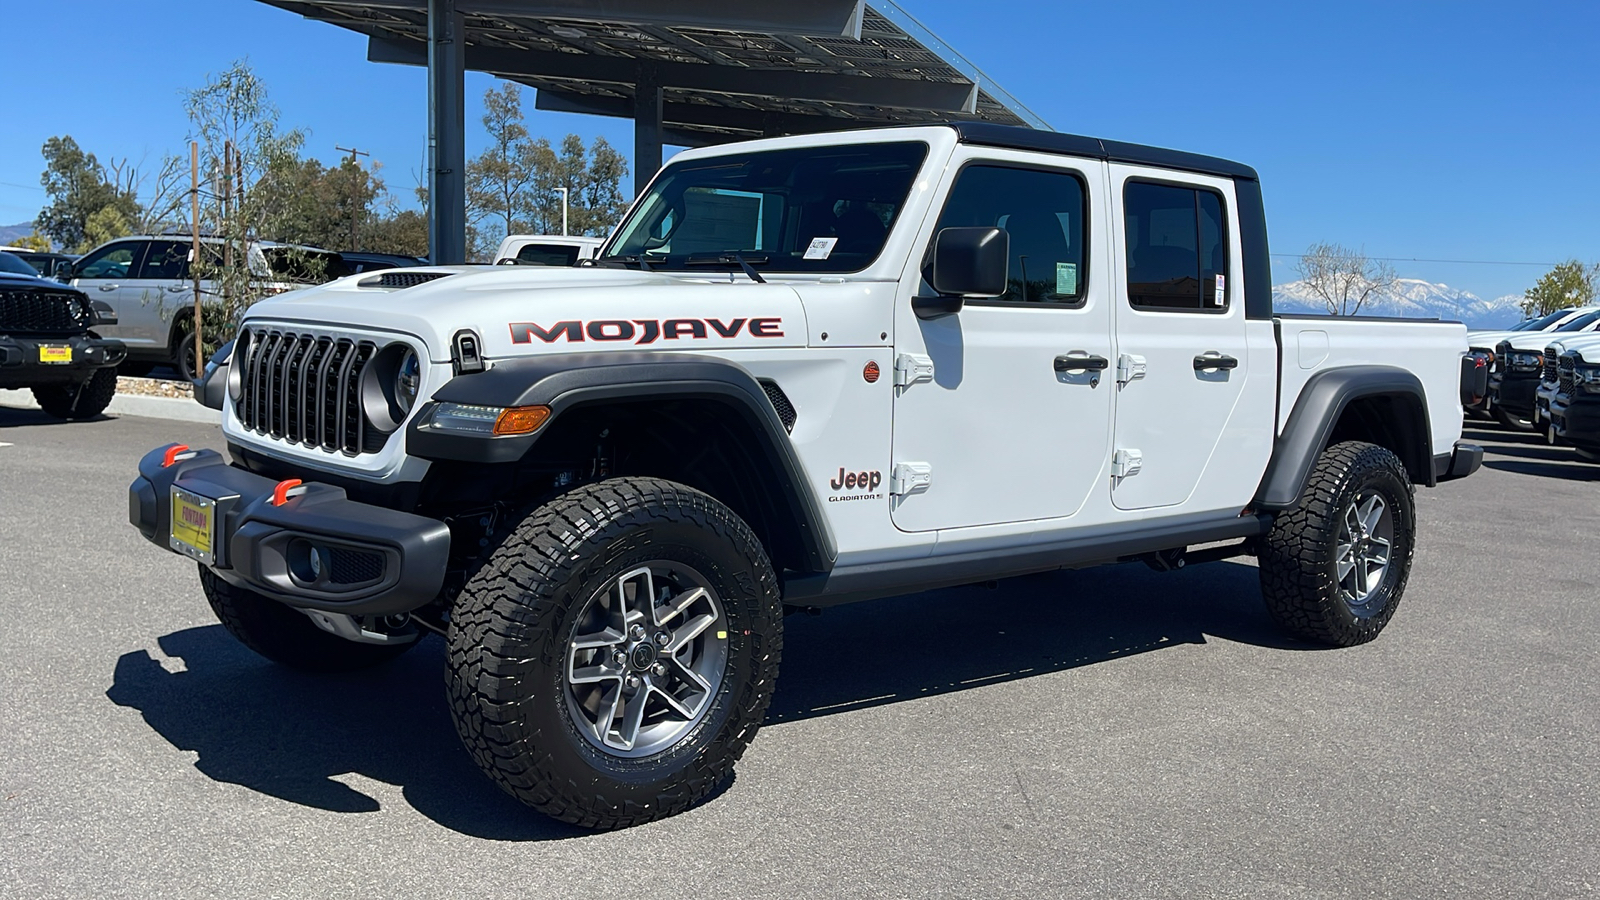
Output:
(730, 256)
(624, 261)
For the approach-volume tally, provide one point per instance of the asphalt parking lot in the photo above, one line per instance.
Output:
(1112, 732)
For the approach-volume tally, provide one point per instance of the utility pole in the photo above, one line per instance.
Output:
(194, 248)
(355, 195)
(563, 210)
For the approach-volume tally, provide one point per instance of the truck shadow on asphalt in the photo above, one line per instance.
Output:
(290, 735)
(1526, 453)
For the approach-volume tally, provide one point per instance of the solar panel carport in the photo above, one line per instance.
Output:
(688, 72)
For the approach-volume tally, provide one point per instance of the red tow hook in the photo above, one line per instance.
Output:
(172, 453)
(280, 494)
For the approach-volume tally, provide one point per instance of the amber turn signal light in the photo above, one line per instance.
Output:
(521, 419)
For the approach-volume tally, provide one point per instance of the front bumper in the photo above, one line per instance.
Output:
(1514, 391)
(1576, 419)
(319, 550)
(20, 365)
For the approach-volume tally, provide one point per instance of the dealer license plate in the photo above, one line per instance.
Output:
(55, 354)
(194, 525)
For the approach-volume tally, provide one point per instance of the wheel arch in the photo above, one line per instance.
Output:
(1381, 405)
(699, 421)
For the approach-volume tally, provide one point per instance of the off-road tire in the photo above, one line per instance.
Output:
(1299, 579)
(508, 645)
(71, 401)
(288, 637)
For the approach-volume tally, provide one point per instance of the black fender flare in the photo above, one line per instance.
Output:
(1317, 410)
(565, 381)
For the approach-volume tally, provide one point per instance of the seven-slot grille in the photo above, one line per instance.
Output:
(1568, 374)
(43, 312)
(1550, 375)
(306, 389)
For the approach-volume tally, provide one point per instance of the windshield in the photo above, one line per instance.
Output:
(15, 265)
(1545, 322)
(810, 209)
(1581, 322)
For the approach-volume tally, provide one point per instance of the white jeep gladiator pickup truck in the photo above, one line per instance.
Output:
(803, 371)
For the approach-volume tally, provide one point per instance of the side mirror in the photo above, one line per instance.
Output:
(967, 262)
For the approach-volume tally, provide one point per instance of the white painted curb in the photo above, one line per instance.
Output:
(175, 408)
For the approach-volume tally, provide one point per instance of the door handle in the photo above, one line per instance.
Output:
(177, 288)
(1081, 364)
(108, 287)
(1211, 359)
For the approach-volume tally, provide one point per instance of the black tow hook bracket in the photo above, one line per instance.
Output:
(1167, 560)
(466, 352)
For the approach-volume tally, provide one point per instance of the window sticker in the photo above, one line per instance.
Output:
(821, 248)
(1066, 279)
(1222, 291)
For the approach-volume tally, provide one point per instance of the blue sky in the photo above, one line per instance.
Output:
(1443, 130)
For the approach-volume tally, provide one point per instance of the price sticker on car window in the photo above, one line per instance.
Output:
(821, 248)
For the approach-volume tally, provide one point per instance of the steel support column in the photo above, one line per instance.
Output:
(447, 152)
(646, 127)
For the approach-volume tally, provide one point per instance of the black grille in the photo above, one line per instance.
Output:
(780, 402)
(1549, 373)
(1567, 374)
(306, 389)
(43, 312)
(348, 566)
(400, 278)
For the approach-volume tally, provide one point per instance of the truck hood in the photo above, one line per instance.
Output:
(1539, 340)
(520, 310)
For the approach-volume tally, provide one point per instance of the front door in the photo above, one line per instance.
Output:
(107, 274)
(1183, 359)
(989, 427)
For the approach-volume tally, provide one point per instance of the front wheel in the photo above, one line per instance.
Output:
(617, 654)
(79, 401)
(1334, 567)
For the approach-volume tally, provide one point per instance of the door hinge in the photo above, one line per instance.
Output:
(1129, 367)
(910, 368)
(910, 478)
(1125, 463)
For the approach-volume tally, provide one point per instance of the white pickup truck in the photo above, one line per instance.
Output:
(803, 371)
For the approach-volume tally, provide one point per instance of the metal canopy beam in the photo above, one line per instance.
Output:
(723, 118)
(447, 148)
(815, 18)
(900, 93)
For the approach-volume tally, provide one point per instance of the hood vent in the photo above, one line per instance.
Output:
(400, 279)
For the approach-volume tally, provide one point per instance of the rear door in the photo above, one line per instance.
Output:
(1183, 358)
(163, 289)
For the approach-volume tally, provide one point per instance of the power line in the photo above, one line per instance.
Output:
(1471, 262)
(26, 187)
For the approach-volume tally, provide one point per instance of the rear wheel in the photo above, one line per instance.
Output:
(1333, 568)
(184, 357)
(617, 654)
(79, 401)
(288, 637)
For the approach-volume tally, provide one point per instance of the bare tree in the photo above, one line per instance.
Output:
(1344, 279)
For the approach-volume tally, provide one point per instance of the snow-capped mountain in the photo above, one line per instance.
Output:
(1414, 297)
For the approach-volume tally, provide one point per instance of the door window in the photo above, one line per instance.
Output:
(113, 261)
(166, 261)
(1177, 255)
(1043, 212)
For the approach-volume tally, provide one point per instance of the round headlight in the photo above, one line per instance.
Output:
(407, 381)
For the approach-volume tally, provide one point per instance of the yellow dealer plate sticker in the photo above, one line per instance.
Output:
(194, 525)
(55, 354)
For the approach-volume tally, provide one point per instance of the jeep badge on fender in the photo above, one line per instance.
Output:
(607, 505)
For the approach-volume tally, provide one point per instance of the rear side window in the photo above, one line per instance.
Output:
(1177, 249)
(1042, 212)
(548, 255)
(165, 260)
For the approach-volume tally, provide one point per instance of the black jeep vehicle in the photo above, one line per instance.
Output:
(46, 345)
